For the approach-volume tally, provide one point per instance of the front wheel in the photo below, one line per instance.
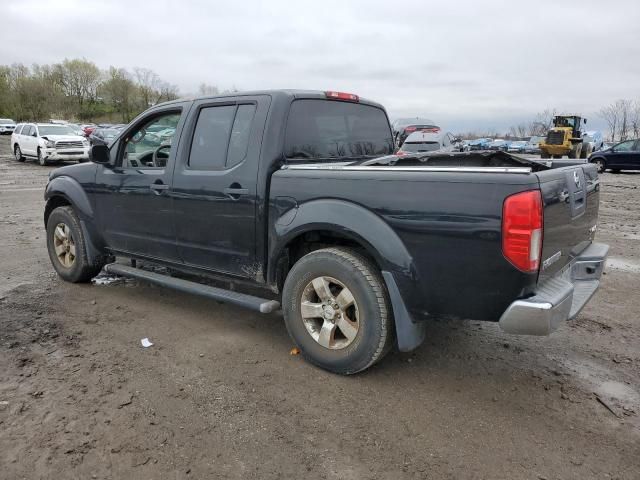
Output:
(41, 160)
(337, 311)
(67, 247)
(600, 164)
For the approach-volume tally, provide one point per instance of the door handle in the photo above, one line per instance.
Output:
(158, 188)
(235, 191)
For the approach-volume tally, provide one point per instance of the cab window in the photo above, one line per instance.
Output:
(149, 145)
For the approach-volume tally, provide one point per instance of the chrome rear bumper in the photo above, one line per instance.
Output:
(560, 298)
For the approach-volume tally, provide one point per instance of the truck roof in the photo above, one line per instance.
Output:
(276, 93)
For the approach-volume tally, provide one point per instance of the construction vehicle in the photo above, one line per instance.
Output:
(566, 138)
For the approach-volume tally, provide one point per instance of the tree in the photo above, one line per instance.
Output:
(148, 83)
(79, 79)
(621, 117)
(207, 90)
(119, 91)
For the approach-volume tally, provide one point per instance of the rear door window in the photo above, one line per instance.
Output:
(211, 138)
(221, 136)
(332, 130)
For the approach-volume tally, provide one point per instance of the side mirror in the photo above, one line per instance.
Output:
(100, 154)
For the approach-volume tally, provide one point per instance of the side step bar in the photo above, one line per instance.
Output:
(261, 305)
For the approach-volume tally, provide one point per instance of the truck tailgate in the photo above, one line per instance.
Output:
(571, 198)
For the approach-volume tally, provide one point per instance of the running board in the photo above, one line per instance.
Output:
(261, 305)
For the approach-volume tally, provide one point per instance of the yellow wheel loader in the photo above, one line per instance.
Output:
(566, 138)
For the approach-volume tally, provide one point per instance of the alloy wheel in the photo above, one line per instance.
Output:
(330, 313)
(64, 245)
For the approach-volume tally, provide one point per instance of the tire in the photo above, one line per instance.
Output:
(72, 268)
(41, 160)
(600, 163)
(576, 151)
(17, 152)
(587, 149)
(557, 157)
(544, 154)
(336, 270)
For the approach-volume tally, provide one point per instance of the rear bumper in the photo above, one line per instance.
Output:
(560, 298)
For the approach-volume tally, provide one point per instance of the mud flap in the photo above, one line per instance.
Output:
(409, 335)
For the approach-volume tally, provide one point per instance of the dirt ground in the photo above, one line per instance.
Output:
(219, 396)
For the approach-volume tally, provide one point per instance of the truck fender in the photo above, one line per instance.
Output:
(74, 194)
(370, 231)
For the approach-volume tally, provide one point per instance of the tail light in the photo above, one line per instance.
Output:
(522, 230)
(410, 129)
(350, 97)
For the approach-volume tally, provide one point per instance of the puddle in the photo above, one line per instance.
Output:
(598, 379)
(623, 265)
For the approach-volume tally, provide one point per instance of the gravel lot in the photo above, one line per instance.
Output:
(219, 395)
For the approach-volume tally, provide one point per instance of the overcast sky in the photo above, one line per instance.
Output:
(466, 64)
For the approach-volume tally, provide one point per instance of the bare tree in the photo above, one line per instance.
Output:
(148, 83)
(634, 119)
(205, 89)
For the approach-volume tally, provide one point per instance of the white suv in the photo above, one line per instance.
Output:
(48, 143)
(6, 126)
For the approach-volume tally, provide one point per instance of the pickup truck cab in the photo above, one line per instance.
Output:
(48, 142)
(295, 200)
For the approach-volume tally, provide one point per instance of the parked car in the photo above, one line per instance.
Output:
(517, 146)
(103, 136)
(404, 127)
(48, 142)
(419, 142)
(499, 145)
(479, 144)
(277, 192)
(622, 156)
(533, 145)
(594, 138)
(7, 126)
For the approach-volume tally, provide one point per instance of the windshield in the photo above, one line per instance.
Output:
(420, 146)
(55, 130)
(330, 130)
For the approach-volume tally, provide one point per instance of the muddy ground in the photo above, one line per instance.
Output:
(219, 396)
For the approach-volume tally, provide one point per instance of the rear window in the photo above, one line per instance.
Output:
(330, 130)
(420, 146)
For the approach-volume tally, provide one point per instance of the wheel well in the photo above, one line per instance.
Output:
(52, 204)
(315, 240)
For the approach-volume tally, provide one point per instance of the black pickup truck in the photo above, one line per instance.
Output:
(294, 200)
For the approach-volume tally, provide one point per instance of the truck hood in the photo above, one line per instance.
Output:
(56, 138)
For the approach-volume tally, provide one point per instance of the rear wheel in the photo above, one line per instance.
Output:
(18, 153)
(587, 149)
(544, 154)
(67, 247)
(337, 311)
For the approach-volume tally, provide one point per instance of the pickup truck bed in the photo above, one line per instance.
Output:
(361, 247)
